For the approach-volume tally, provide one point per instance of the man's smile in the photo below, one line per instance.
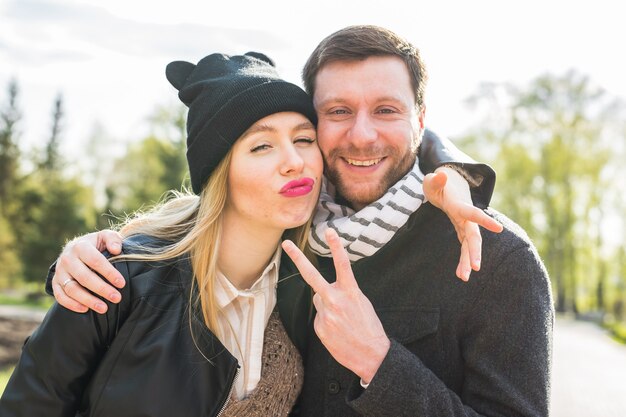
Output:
(363, 163)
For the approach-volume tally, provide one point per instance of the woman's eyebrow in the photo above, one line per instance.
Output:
(304, 126)
(257, 129)
(269, 128)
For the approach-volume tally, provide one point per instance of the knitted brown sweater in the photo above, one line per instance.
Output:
(281, 377)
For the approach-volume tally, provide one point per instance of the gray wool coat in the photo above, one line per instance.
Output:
(481, 348)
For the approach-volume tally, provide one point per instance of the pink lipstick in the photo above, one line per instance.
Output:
(297, 188)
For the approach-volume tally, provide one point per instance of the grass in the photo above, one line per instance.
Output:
(27, 299)
(618, 331)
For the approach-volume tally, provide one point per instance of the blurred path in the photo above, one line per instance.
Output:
(22, 313)
(16, 323)
(589, 372)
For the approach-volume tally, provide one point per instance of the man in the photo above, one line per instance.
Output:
(421, 342)
(402, 336)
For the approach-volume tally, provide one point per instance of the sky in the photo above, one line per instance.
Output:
(107, 59)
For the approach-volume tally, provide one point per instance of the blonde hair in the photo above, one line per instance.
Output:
(194, 226)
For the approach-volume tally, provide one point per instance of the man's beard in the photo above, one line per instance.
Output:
(362, 197)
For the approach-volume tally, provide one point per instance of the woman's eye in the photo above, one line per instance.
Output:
(305, 140)
(260, 148)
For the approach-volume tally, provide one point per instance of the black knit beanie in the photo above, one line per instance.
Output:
(226, 95)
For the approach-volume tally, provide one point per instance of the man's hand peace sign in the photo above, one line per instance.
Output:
(346, 322)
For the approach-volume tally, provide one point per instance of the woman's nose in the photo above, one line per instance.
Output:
(292, 161)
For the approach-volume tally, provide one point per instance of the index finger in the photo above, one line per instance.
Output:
(309, 273)
(476, 215)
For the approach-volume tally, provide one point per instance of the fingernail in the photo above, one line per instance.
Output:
(116, 246)
(100, 307)
(119, 283)
(115, 297)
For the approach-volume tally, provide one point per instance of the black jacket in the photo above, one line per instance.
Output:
(140, 358)
(481, 348)
(435, 151)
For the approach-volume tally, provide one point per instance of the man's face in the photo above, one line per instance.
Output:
(369, 126)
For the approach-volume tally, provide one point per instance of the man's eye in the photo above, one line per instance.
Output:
(339, 111)
(260, 148)
(386, 111)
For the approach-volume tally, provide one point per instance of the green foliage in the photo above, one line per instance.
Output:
(515, 197)
(151, 167)
(42, 208)
(54, 210)
(551, 143)
(9, 151)
(10, 271)
(617, 329)
(52, 160)
(32, 298)
(5, 374)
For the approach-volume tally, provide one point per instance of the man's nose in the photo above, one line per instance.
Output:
(363, 132)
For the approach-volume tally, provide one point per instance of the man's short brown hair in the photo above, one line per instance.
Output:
(357, 43)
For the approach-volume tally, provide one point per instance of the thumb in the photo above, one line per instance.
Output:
(111, 240)
(434, 184)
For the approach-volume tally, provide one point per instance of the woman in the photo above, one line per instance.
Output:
(196, 324)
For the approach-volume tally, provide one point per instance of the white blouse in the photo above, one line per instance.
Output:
(245, 314)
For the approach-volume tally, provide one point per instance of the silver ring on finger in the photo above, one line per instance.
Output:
(67, 281)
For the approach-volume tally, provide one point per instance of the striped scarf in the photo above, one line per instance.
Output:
(364, 232)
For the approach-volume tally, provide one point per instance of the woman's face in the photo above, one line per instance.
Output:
(275, 172)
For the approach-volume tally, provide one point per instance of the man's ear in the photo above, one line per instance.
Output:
(421, 116)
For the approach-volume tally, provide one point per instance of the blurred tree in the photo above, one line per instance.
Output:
(548, 143)
(620, 299)
(52, 158)
(9, 150)
(10, 272)
(168, 122)
(10, 116)
(152, 166)
(54, 210)
(53, 207)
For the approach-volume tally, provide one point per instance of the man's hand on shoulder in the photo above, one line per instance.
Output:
(77, 271)
(449, 191)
